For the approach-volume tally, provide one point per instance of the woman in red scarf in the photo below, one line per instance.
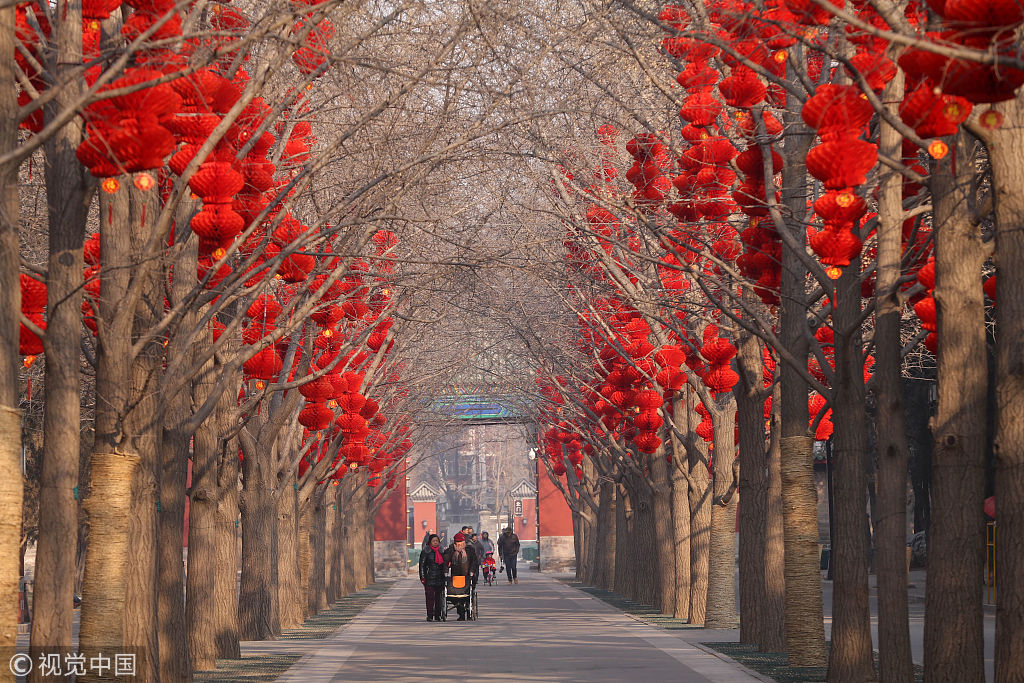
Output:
(432, 576)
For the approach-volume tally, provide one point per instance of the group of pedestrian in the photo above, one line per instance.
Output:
(458, 566)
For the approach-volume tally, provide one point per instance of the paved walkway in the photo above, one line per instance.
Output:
(540, 630)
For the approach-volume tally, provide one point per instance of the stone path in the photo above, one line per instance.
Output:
(539, 630)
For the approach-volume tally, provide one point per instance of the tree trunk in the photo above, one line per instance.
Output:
(895, 663)
(318, 542)
(11, 492)
(174, 446)
(721, 604)
(106, 571)
(753, 487)
(664, 542)
(289, 594)
(201, 626)
(850, 657)
(112, 463)
(700, 520)
(805, 621)
(225, 587)
(259, 522)
(68, 194)
(1006, 152)
(774, 613)
(623, 549)
(680, 515)
(954, 621)
(604, 550)
(141, 427)
(305, 556)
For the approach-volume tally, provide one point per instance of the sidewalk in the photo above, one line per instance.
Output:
(539, 630)
(267, 660)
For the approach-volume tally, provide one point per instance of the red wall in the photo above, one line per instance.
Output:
(423, 511)
(555, 515)
(389, 524)
(527, 531)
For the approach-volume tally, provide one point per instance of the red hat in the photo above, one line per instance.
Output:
(460, 537)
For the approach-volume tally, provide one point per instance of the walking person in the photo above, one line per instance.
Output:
(486, 543)
(432, 573)
(426, 539)
(508, 548)
(463, 563)
(474, 541)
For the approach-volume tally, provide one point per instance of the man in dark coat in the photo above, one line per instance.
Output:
(508, 548)
(463, 562)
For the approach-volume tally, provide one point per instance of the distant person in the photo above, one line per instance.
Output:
(432, 575)
(463, 565)
(508, 548)
(486, 543)
(489, 568)
(474, 541)
(426, 539)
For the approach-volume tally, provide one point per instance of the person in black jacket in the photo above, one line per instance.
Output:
(432, 575)
(508, 548)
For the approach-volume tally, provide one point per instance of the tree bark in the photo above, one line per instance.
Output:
(895, 663)
(753, 483)
(305, 555)
(1006, 152)
(850, 657)
(680, 514)
(68, 192)
(174, 446)
(805, 621)
(106, 572)
(700, 493)
(954, 621)
(604, 550)
(289, 594)
(11, 491)
(259, 561)
(143, 432)
(774, 613)
(225, 588)
(200, 624)
(318, 568)
(112, 463)
(664, 559)
(721, 605)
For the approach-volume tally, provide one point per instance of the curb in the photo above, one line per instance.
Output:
(729, 660)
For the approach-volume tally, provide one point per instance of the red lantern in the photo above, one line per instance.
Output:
(316, 416)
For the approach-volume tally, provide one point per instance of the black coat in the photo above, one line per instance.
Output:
(430, 571)
(508, 545)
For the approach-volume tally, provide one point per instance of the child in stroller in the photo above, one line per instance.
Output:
(489, 568)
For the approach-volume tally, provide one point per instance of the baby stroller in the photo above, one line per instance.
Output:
(465, 593)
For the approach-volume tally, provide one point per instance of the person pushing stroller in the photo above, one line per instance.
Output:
(463, 566)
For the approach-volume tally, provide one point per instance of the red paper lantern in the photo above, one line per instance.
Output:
(316, 416)
(264, 365)
(842, 161)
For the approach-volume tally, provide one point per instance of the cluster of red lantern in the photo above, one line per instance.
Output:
(28, 35)
(718, 352)
(977, 24)
(841, 162)
(33, 302)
